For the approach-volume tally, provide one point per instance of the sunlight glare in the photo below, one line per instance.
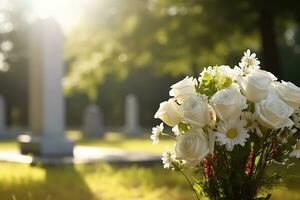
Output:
(66, 12)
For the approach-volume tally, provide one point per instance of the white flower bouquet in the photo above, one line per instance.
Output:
(229, 125)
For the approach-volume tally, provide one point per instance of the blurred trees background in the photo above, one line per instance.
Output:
(142, 47)
(13, 60)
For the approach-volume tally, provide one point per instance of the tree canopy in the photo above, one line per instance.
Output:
(172, 36)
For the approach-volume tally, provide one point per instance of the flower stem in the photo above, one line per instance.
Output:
(181, 171)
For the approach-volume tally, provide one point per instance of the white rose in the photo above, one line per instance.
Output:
(296, 118)
(289, 93)
(256, 84)
(273, 113)
(192, 146)
(196, 111)
(169, 112)
(229, 102)
(183, 89)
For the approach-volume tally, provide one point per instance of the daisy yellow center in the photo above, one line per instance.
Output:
(298, 145)
(250, 61)
(232, 133)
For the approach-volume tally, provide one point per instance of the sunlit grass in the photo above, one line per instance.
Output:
(111, 139)
(128, 143)
(88, 182)
(107, 182)
(101, 182)
(11, 144)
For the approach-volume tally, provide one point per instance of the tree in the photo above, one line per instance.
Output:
(13, 60)
(172, 36)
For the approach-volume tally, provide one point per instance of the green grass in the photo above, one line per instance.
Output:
(89, 182)
(289, 189)
(101, 182)
(123, 141)
(111, 139)
(8, 144)
(106, 182)
(131, 144)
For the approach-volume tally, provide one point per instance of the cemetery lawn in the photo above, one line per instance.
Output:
(111, 140)
(106, 182)
(119, 140)
(109, 182)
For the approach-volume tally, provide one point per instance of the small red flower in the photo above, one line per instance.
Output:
(208, 169)
(249, 164)
(274, 150)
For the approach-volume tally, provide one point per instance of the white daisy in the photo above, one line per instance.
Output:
(228, 71)
(231, 133)
(251, 123)
(176, 130)
(156, 132)
(168, 158)
(296, 152)
(249, 62)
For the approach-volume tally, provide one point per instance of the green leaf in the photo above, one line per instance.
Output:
(211, 84)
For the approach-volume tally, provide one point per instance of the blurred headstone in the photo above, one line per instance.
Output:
(132, 125)
(92, 121)
(3, 130)
(46, 102)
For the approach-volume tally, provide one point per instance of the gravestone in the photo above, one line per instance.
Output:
(46, 102)
(92, 121)
(3, 130)
(132, 115)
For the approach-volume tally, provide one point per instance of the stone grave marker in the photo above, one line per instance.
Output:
(46, 101)
(132, 125)
(92, 121)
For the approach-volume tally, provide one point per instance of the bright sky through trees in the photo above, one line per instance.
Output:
(66, 12)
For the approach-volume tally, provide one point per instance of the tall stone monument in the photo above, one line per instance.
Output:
(132, 115)
(92, 121)
(46, 102)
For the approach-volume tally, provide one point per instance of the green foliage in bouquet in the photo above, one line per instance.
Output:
(229, 126)
(210, 83)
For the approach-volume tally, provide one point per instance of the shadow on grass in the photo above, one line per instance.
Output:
(53, 185)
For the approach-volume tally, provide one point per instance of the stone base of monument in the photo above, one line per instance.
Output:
(45, 146)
